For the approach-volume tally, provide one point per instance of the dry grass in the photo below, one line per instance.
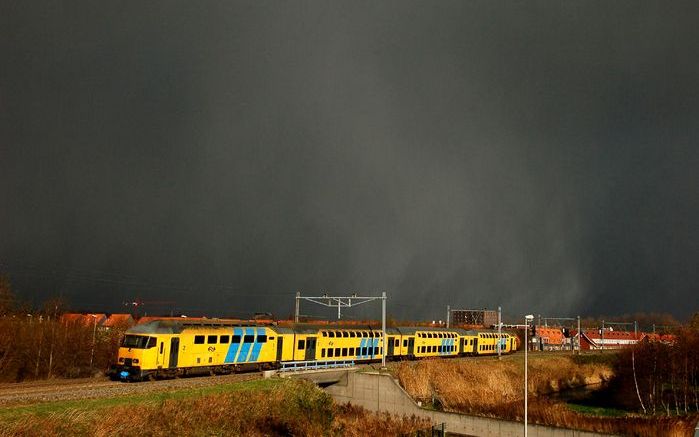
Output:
(468, 385)
(289, 408)
(494, 388)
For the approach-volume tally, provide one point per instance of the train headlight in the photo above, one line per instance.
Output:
(135, 360)
(121, 360)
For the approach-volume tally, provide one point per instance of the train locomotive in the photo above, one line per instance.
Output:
(166, 348)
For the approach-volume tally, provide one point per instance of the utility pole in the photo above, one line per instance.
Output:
(383, 330)
(94, 334)
(298, 307)
(579, 336)
(448, 314)
(349, 302)
(635, 330)
(602, 344)
(499, 331)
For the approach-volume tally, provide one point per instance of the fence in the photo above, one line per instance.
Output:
(295, 366)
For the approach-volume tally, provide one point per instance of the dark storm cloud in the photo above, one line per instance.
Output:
(540, 156)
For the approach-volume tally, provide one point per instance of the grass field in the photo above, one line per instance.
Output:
(252, 408)
(46, 408)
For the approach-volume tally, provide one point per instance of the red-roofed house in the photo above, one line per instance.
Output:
(83, 319)
(120, 321)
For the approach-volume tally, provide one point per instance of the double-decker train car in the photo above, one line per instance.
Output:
(166, 348)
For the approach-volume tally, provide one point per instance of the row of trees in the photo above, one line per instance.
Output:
(41, 344)
(662, 377)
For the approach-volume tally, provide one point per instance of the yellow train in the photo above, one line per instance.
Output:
(165, 348)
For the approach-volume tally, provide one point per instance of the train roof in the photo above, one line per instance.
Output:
(409, 330)
(178, 326)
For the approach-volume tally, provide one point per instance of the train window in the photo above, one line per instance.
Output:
(365, 351)
(302, 344)
(271, 338)
(405, 343)
(212, 339)
(345, 334)
(337, 351)
(198, 339)
(225, 339)
(325, 334)
(376, 351)
(338, 334)
(249, 339)
(344, 351)
(322, 353)
(161, 347)
(350, 352)
(331, 334)
(396, 343)
(365, 334)
(351, 334)
(330, 353)
(236, 339)
(151, 342)
(262, 339)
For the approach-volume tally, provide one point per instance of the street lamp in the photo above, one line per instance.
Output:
(527, 319)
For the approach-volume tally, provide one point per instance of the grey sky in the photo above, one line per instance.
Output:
(538, 155)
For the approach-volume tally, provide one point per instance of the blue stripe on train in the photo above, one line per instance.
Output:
(256, 348)
(233, 347)
(243, 356)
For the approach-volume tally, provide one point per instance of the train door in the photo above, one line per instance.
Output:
(174, 351)
(310, 348)
(411, 346)
(280, 347)
(391, 347)
(160, 360)
(475, 345)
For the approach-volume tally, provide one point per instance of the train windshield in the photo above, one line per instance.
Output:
(138, 342)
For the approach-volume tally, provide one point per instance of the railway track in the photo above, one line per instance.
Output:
(94, 388)
(25, 393)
